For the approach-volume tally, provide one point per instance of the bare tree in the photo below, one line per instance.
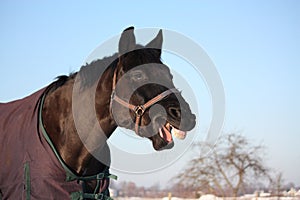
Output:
(277, 185)
(232, 163)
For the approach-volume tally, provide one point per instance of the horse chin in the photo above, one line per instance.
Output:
(168, 146)
(160, 144)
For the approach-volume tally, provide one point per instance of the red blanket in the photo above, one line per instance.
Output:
(28, 167)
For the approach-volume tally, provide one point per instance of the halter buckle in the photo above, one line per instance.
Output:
(139, 110)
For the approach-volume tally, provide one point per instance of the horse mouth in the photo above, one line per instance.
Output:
(167, 131)
(167, 128)
(164, 138)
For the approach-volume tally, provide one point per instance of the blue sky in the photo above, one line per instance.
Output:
(255, 46)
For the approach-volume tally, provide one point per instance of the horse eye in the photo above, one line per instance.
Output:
(138, 76)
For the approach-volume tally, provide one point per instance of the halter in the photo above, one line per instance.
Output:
(139, 110)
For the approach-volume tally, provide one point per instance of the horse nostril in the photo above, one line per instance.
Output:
(175, 112)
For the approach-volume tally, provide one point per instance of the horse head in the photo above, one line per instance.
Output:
(144, 97)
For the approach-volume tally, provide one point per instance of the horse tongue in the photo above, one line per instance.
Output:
(165, 134)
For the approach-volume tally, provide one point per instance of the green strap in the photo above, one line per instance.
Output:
(70, 176)
(112, 176)
(81, 196)
(27, 180)
(76, 196)
(99, 176)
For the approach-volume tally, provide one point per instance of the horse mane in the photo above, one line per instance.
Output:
(91, 72)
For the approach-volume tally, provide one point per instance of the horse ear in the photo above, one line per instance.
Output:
(127, 41)
(156, 43)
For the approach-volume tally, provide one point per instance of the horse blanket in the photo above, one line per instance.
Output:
(29, 169)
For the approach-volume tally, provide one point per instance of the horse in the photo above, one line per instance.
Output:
(42, 156)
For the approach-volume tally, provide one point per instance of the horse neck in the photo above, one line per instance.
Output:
(58, 117)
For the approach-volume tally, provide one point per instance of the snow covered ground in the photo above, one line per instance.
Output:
(211, 197)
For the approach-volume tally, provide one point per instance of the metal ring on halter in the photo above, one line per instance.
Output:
(139, 110)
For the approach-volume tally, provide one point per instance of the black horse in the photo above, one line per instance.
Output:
(42, 156)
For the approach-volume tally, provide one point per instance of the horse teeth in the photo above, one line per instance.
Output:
(160, 133)
(168, 125)
(178, 133)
